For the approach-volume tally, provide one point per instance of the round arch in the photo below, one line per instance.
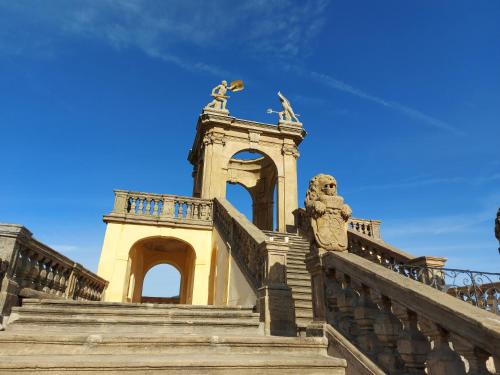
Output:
(152, 251)
(258, 175)
(162, 284)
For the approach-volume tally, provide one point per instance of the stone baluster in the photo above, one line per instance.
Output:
(442, 360)
(365, 312)
(413, 346)
(180, 212)
(189, 210)
(34, 270)
(149, 200)
(333, 288)
(41, 280)
(63, 280)
(476, 358)
(133, 205)
(346, 300)
(56, 288)
(387, 327)
(50, 278)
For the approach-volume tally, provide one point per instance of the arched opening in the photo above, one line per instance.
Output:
(162, 284)
(154, 251)
(257, 174)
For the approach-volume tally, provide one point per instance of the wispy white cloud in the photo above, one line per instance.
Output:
(419, 181)
(336, 84)
(161, 29)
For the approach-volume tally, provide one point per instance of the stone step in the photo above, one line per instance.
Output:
(306, 314)
(302, 297)
(153, 313)
(297, 269)
(90, 325)
(296, 262)
(292, 283)
(129, 306)
(302, 304)
(292, 276)
(49, 344)
(301, 289)
(172, 364)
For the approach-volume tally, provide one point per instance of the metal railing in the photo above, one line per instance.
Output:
(480, 289)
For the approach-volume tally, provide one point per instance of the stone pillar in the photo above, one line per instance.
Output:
(290, 194)
(315, 266)
(11, 237)
(276, 305)
(214, 176)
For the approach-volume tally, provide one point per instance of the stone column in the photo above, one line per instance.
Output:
(290, 196)
(315, 266)
(276, 305)
(214, 173)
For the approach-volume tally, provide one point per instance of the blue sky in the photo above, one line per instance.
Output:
(401, 101)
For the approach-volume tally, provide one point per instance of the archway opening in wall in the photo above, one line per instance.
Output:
(156, 253)
(251, 187)
(162, 284)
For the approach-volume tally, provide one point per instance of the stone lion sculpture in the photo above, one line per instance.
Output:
(327, 213)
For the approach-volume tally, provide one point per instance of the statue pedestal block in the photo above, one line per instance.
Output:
(277, 310)
(223, 112)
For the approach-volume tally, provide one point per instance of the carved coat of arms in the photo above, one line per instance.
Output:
(328, 214)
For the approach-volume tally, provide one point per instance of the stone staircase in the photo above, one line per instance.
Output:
(298, 277)
(60, 337)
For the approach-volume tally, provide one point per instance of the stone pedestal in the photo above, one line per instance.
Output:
(314, 263)
(277, 310)
(11, 235)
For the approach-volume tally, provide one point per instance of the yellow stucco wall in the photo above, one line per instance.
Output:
(215, 279)
(115, 262)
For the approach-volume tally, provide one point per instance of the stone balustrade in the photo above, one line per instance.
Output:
(247, 241)
(366, 227)
(370, 228)
(402, 325)
(148, 208)
(364, 240)
(263, 263)
(31, 269)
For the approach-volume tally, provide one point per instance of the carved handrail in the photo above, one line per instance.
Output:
(404, 325)
(34, 270)
(263, 264)
(160, 208)
(247, 242)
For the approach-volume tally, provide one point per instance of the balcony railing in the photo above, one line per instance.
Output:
(150, 208)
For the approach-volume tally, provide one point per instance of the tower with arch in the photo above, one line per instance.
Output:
(214, 156)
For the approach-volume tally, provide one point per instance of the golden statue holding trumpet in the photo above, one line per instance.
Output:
(219, 94)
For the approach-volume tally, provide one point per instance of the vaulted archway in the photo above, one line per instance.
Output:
(257, 173)
(150, 252)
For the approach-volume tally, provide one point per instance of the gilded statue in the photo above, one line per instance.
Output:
(327, 213)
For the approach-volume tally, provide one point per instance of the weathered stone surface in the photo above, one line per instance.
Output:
(61, 337)
(328, 214)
